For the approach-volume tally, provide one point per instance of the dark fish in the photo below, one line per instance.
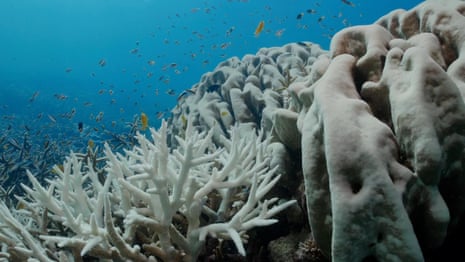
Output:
(34, 96)
(304, 44)
(13, 142)
(102, 62)
(299, 16)
(80, 126)
(52, 118)
(347, 2)
(170, 92)
(185, 93)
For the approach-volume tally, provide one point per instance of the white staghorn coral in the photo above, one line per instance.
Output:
(154, 202)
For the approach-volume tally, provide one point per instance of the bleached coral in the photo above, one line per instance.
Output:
(382, 136)
(153, 202)
(246, 90)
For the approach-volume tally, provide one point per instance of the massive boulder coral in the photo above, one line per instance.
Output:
(383, 135)
(351, 174)
(247, 90)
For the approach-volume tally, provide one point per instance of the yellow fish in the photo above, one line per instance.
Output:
(259, 28)
(60, 167)
(144, 121)
(21, 205)
(184, 121)
(91, 143)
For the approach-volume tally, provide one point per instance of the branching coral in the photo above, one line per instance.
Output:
(155, 202)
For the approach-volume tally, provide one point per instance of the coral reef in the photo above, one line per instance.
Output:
(383, 136)
(374, 129)
(376, 126)
(151, 203)
(246, 90)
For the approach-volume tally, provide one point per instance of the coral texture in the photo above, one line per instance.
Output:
(376, 127)
(247, 91)
(377, 124)
(383, 135)
(153, 203)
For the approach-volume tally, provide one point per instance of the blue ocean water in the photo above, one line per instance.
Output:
(103, 62)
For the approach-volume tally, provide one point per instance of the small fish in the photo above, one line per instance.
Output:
(69, 69)
(348, 3)
(160, 114)
(99, 117)
(80, 127)
(184, 94)
(34, 96)
(13, 142)
(259, 28)
(230, 30)
(102, 62)
(91, 143)
(300, 16)
(21, 205)
(170, 92)
(280, 32)
(151, 62)
(134, 51)
(184, 120)
(52, 118)
(225, 45)
(304, 44)
(144, 119)
(60, 96)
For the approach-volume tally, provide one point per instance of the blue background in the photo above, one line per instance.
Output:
(52, 48)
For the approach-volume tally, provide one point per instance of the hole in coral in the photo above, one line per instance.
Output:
(380, 237)
(370, 258)
(382, 61)
(356, 187)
